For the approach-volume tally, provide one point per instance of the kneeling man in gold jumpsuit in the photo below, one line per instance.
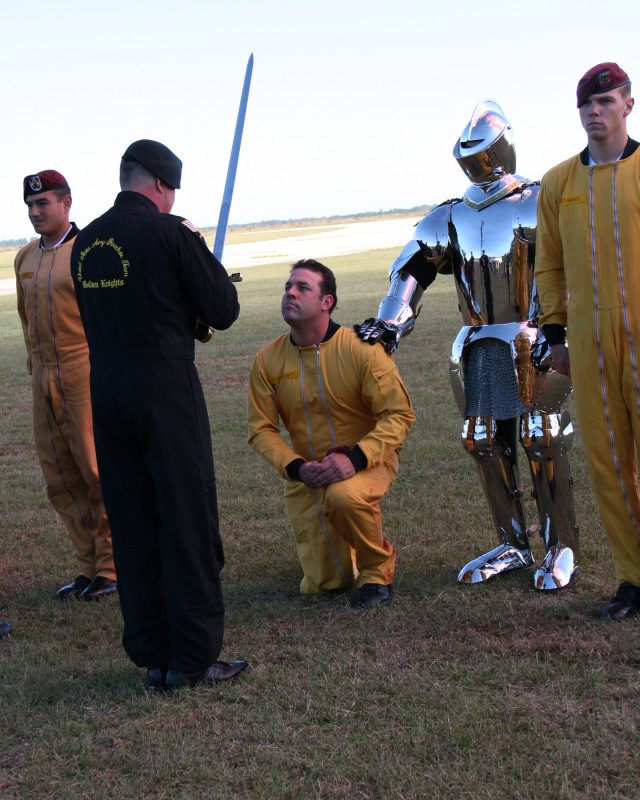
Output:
(347, 413)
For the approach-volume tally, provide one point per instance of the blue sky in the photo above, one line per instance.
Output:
(354, 105)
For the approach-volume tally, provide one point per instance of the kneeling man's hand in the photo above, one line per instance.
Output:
(334, 467)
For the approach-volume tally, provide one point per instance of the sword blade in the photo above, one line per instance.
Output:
(223, 219)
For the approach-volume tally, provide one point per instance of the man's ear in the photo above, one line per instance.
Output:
(629, 106)
(327, 302)
(67, 200)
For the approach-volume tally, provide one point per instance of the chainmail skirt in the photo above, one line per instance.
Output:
(491, 388)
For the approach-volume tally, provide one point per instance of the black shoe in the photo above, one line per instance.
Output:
(74, 589)
(98, 588)
(5, 629)
(218, 671)
(370, 595)
(625, 604)
(155, 681)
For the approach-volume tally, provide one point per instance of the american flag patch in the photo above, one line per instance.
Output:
(191, 226)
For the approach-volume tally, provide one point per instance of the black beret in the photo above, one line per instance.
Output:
(158, 159)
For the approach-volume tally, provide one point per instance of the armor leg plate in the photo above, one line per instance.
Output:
(546, 439)
(500, 483)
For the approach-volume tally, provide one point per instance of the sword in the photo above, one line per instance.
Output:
(204, 332)
(223, 219)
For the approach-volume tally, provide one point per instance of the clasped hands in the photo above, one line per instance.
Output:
(334, 467)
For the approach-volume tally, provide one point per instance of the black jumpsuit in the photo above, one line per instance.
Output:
(141, 280)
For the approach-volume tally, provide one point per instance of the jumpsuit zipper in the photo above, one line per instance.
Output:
(318, 510)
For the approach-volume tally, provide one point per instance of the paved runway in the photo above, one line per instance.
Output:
(320, 242)
(315, 242)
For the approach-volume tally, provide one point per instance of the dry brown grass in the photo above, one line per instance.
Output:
(452, 692)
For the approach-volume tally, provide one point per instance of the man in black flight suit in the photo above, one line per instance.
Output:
(145, 281)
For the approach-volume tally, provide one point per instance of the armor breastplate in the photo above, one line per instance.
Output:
(491, 252)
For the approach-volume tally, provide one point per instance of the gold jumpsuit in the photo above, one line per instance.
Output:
(58, 361)
(588, 275)
(341, 393)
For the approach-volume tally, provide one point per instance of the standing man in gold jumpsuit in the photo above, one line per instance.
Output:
(58, 361)
(588, 275)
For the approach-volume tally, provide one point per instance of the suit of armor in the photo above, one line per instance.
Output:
(500, 364)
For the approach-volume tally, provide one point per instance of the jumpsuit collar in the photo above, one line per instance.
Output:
(331, 330)
(629, 150)
(73, 231)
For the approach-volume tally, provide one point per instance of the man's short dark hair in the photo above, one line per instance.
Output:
(133, 173)
(328, 284)
(625, 91)
(60, 193)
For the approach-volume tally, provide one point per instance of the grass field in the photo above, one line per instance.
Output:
(453, 692)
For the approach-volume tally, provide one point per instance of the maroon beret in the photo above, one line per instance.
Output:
(599, 79)
(43, 181)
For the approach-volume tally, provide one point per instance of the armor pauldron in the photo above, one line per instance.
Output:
(433, 230)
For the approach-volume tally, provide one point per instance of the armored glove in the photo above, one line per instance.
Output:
(375, 330)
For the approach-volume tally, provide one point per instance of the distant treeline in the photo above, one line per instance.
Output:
(334, 217)
(299, 221)
(15, 242)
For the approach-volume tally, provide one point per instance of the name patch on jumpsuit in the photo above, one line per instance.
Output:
(576, 198)
(286, 376)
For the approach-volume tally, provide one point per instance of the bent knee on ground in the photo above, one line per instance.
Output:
(345, 496)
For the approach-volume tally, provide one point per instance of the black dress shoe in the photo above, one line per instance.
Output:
(5, 629)
(155, 681)
(626, 603)
(218, 671)
(370, 595)
(98, 588)
(75, 588)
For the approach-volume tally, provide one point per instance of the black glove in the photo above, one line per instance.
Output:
(375, 330)
(203, 332)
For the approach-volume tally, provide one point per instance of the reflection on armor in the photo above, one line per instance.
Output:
(500, 365)
(491, 253)
(528, 367)
(486, 150)
(546, 439)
